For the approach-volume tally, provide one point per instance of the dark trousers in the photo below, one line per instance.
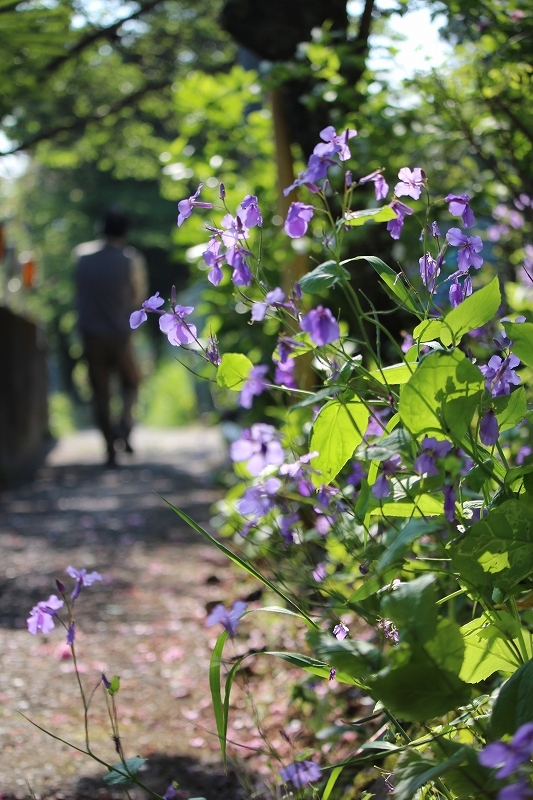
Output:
(106, 355)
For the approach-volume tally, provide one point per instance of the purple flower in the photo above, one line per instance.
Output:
(377, 422)
(257, 500)
(71, 634)
(152, 304)
(356, 475)
(82, 578)
(229, 619)
(507, 757)
(468, 246)
(381, 187)
(222, 191)
(273, 298)
(212, 352)
(284, 374)
(286, 527)
(516, 791)
(408, 341)
(250, 212)
(294, 468)
(429, 271)
(185, 207)
(332, 674)
(432, 448)
(233, 232)
(321, 326)
(301, 773)
(488, 429)
(449, 503)
(254, 386)
(213, 259)
(335, 144)
(458, 207)
(259, 446)
(411, 182)
(394, 226)
(382, 488)
(42, 615)
(522, 454)
(298, 218)
(177, 330)
(435, 232)
(459, 291)
(348, 179)
(341, 631)
(319, 572)
(499, 374)
(389, 629)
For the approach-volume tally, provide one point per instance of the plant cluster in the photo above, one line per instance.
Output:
(397, 495)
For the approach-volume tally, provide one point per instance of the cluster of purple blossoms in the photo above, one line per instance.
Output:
(259, 447)
(301, 773)
(172, 323)
(499, 374)
(258, 500)
(508, 758)
(232, 235)
(333, 146)
(42, 615)
(229, 619)
(459, 290)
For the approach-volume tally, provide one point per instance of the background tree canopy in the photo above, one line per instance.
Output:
(138, 102)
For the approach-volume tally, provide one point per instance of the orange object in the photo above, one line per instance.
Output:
(28, 273)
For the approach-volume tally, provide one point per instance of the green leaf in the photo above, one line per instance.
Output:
(428, 330)
(425, 505)
(414, 771)
(216, 695)
(399, 542)
(114, 685)
(351, 658)
(497, 550)
(122, 773)
(355, 218)
(447, 647)
(386, 447)
(396, 374)
(337, 431)
(233, 371)
(411, 606)
(419, 689)
(394, 284)
(332, 780)
(323, 277)
(474, 311)
(522, 335)
(514, 705)
(316, 397)
(312, 665)
(443, 394)
(510, 409)
(239, 561)
(486, 651)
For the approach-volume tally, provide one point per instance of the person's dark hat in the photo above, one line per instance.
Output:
(115, 221)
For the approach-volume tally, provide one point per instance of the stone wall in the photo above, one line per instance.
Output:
(24, 434)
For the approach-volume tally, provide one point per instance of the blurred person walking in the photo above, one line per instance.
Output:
(111, 282)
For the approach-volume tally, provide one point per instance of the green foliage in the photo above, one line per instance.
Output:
(167, 397)
(514, 705)
(233, 371)
(336, 433)
(122, 774)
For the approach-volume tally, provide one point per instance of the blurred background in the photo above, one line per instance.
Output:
(136, 103)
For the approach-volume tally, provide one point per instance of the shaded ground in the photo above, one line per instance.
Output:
(144, 623)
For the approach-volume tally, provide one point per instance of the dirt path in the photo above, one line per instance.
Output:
(145, 622)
